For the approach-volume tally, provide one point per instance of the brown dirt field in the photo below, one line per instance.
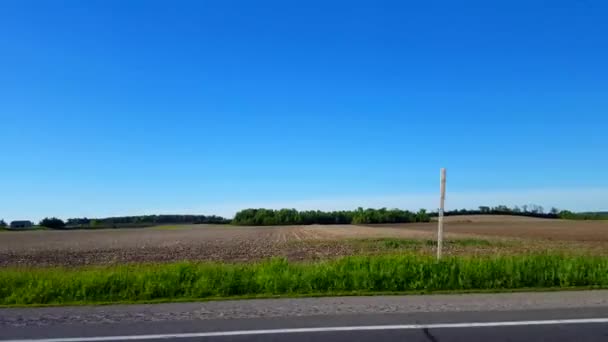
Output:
(520, 227)
(236, 244)
(493, 218)
(191, 242)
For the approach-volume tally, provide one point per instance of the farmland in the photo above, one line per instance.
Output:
(466, 235)
(197, 261)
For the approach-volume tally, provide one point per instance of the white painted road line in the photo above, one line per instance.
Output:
(319, 329)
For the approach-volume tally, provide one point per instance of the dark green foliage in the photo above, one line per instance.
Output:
(52, 223)
(531, 210)
(266, 217)
(2, 224)
(568, 215)
(143, 221)
(389, 216)
(358, 274)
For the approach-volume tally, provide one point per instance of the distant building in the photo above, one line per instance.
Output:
(21, 224)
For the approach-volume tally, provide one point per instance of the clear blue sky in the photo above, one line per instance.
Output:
(135, 107)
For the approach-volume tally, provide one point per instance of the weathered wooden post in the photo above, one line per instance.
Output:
(440, 218)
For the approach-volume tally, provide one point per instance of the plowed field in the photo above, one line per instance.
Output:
(465, 234)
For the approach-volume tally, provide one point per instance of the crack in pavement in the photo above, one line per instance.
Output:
(430, 336)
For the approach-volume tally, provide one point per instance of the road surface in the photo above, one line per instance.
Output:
(551, 316)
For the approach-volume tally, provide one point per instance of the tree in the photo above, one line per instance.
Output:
(265, 217)
(567, 215)
(53, 223)
(422, 216)
(2, 224)
(554, 211)
(502, 209)
(536, 209)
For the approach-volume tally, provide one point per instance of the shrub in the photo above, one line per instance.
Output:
(53, 223)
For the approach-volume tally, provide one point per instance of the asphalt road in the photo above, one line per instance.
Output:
(555, 316)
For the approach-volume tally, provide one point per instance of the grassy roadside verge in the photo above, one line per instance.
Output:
(357, 275)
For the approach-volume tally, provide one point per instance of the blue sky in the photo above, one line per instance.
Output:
(136, 107)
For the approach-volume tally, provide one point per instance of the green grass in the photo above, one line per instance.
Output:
(467, 243)
(355, 275)
(390, 243)
(405, 244)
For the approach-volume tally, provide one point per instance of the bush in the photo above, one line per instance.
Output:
(52, 223)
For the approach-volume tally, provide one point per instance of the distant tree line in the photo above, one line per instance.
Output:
(269, 217)
(143, 221)
(531, 210)
(568, 215)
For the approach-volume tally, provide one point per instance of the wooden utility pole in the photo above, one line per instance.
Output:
(440, 218)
